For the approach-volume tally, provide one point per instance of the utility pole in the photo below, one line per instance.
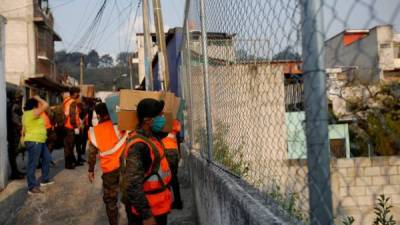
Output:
(130, 71)
(162, 49)
(147, 46)
(82, 65)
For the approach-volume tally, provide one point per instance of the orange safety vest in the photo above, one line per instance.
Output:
(46, 119)
(67, 105)
(170, 142)
(110, 142)
(157, 178)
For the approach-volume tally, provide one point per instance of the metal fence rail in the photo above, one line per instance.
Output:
(282, 94)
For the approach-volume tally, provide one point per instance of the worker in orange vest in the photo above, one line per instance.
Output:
(51, 136)
(146, 174)
(108, 142)
(173, 154)
(72, 127)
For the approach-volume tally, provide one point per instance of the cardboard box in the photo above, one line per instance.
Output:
(87, 90)
(129, 99)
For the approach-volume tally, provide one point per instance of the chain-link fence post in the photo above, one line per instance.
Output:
(318, 156)
(189, 81)
(206, 80)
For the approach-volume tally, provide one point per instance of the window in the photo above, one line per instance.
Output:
(396, 49)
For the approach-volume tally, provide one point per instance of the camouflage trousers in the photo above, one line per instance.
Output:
(110, 195)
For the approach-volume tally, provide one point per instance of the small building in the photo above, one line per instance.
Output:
(29, 51)
(366, 56)
(140, 54)
(356, 59)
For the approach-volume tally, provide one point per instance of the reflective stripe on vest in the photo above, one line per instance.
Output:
(157, 177)
(67, 105)
(107, 139)
(171, 135)
(116, 147)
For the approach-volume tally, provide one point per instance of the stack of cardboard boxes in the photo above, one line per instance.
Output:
(129, 99)
(87, 90)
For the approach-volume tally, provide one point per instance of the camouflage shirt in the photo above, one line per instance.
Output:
(138, 162)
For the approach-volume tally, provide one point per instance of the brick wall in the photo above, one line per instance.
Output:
(357, 183)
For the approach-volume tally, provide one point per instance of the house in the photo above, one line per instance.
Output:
(140, 53)
(220, 48)
(29, 48)
(356, 59)
(368, 56)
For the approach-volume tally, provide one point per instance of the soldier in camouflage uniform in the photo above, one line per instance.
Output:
(107, 142)
(14, 127)
(140, 208)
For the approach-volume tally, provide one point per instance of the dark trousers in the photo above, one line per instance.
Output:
(12, 156)
(69, 144)
(110, 195)
(137, 220)
(78, 145)
(51, 139)
(173, 161)
(83, 142)
(36, 151)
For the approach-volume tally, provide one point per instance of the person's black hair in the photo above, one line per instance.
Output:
(101, 110)
(31, 104)
(149, 107)
(74, 90)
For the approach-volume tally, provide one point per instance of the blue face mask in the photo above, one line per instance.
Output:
(158, 124)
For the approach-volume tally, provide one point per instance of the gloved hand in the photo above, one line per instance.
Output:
(76, 131)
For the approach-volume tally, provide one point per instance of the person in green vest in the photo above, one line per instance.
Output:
(34, 135)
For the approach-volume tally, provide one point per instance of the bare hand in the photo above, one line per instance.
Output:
(149, 221)
(91, 177)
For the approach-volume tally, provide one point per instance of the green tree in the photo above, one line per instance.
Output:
(106, 61)
(287, 54)
(123, 58)
(93, 59)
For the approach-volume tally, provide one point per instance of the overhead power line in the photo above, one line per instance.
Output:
(31, 4)
(90, 31)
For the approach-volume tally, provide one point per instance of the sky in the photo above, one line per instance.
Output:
(72, 18)
(117, 29)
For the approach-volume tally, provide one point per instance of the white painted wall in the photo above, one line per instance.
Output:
(20, 41)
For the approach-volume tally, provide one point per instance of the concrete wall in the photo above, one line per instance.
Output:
(356, 184)
(222, 199)
(249, 100)
(3, 111)
(20, 40)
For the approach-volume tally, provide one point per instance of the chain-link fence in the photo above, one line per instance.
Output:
(300, 99)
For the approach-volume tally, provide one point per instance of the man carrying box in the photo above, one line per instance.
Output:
(146, 174)
(109, 143)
